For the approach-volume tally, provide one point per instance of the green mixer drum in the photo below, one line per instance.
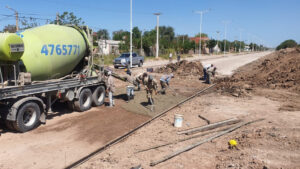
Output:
(52, 51)
(11, 47)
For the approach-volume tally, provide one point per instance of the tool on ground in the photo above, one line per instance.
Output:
(205, 119)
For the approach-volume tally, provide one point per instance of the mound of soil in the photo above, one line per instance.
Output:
(182, 68)
(280, 69)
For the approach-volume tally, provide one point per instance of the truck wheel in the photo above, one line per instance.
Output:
(116, 67)
(84, 102)
(28, 117)
(140, 64)
(98, 96)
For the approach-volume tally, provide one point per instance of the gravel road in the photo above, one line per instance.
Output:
(227, 65)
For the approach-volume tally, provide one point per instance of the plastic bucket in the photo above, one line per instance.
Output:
(178, 120)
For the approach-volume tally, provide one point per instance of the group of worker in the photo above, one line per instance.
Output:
(145, 79)
(150, 84)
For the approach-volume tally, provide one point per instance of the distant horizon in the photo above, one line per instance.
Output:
(259, 21)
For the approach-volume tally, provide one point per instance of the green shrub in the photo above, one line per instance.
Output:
(287, 44)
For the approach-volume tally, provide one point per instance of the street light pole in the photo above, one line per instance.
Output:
(130, 33)
(201, 15)
(157, 33)
(17, 17)
(141, 42)
(225, 32)
(240, 41)
(218, 38)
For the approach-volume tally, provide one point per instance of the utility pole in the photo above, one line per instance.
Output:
(17, 17)
(225, 32)
(201, 15)
(141, 42)
(218, 38)
(130, 33)
(157, 33)
(240, 50)
(57, 18)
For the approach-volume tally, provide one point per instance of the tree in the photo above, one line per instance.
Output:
(211, 44)
(287, 44)
(28, 23)
(136, 37)
(149, 40)
(202, 35)
(10, 28)
(122, 36)
(68, 18)
(103, 34)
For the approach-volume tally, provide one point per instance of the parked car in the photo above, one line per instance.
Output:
(124, 60)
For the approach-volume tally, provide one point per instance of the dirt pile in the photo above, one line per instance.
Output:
(280, 69)
(182, 68)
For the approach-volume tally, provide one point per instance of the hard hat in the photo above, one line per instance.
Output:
(109, 73)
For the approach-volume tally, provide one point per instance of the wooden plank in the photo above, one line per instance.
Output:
(201, 142)
(210, 126)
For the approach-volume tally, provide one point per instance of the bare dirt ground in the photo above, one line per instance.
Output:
(68, 136)
(271, 143)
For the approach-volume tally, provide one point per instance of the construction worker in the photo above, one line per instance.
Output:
(110, 89)
(164, 82)
(205, 67)
(210, 72)
(151, 87)
(140, 79)
(127, 69)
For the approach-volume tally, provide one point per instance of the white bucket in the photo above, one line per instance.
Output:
(178, 120)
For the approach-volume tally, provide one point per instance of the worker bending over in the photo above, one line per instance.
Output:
(151, 87)
(140, 79)
(110, 89)
(165, 81)
(210, 72)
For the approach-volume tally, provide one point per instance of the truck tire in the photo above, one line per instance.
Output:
(116, 67)
(84, 102)
(140, 64)
(28, 116)
(98, 96)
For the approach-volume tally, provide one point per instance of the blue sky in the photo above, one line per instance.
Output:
(263, 21)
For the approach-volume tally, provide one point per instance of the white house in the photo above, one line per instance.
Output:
(216, 49)
(107, 47)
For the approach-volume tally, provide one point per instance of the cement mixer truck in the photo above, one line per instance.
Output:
(42, 65)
